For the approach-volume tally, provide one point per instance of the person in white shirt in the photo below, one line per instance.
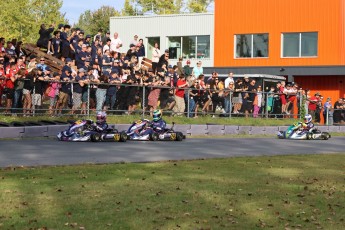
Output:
(116, 43)
(229, 80)
(107, 45)
(135, 41)
(156, 54)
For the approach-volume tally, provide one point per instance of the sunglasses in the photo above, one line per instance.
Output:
(42, 60)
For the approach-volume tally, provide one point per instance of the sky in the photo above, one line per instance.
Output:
(73, 8)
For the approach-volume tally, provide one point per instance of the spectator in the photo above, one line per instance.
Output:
(53, 93)
(164, 59)
(19, 50)
(179, 95)
(107, 45)
(250, 96)
(18, 91)
(106, 62)
(215, 89)
(228, 96)
(154, 92)
(237, 96)
(56, 44)
(42, 64)
(27, 90)
(9, 84)
(318, 110)
(327, 110)
(65, 42)
(197, 70)
(98, 36)
(186, 69)
(313, 101)
(105, 38)
(193, 94)
(337, 114)
(156, 53)
(2, 78)
(116, 43)
(112, 90)
(42, 42)
(257, 102)
(179, 70)
(140, 50)
(101, 91)
(229, 79)
(134, 81)
(38, 90)
(65, 90)
(282, 96)
(77, 89)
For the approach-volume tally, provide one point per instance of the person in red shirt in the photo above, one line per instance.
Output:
(313, 101)
(2, 80)
(9, 85)
(179, 95)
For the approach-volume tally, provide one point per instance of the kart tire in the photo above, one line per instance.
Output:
(309, 136)
(95, 137)
(123, 137)
(154, 137)
(325, 136)
(179, 136)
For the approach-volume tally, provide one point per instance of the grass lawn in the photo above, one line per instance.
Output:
(178, 120)
(280, 192)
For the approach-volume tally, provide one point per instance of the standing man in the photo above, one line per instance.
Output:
(179, 95)
(116, 43)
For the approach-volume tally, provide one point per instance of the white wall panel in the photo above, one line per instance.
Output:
(164, 26)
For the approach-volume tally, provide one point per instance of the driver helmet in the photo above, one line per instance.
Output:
(157, 115)
(308, 118)
(101, 117)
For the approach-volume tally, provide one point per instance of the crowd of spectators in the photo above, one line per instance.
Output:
(100, 73)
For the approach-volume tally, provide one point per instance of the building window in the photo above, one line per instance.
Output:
(189, 47)
(299, 44)
(151, 45)
(251, 45)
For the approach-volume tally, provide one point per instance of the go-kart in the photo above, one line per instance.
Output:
(143, 130)
(293, 133)
(85, 130)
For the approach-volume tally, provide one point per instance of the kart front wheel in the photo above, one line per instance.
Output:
(154, 137)
(123, 137)
(325, 136)
(179, 136)
(95, 137)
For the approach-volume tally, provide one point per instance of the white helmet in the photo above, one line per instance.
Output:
(101, 117)
(308, 118)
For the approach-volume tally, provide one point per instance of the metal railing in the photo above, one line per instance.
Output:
(269, 107)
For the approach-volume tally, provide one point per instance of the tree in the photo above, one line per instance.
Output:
(160, 6)
(92, 21)
(22, 19)
(128, 9)
(198, 6)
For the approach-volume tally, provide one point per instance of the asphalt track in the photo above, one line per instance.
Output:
(38, 152)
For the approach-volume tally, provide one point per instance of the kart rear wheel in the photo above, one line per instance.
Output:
(154, 137)
(123, 137)
(95, 137)
(179, 136)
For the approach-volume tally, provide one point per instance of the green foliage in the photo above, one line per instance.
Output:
(128, 9)
(159, 6)
(21, 19)
(92, 21)
(198, 6)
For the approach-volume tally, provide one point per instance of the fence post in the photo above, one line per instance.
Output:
(266, 104)
(88, 101)
(327, 111)
(230, 101)
(143, 102)
(188, 102)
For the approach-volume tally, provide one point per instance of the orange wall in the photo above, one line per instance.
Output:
(275, 17)
(328, 86)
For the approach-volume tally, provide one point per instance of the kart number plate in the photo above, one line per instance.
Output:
(116, 137)
(173, 136)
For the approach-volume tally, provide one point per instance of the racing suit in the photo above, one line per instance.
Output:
(100, 126)
(157, 126)
(306, 127)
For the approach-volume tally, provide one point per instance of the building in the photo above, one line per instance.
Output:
(302, 40)
(185, 35)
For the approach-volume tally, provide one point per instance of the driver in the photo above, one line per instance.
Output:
(158, 124)
(308, 124)
(101, 121)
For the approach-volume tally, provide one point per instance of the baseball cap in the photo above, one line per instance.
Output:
(68, 60)
(81, 70)
(170, 66)
(188, 62)
(166, 50)
(131, 45)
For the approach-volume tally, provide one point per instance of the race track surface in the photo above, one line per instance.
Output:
(35, 152)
